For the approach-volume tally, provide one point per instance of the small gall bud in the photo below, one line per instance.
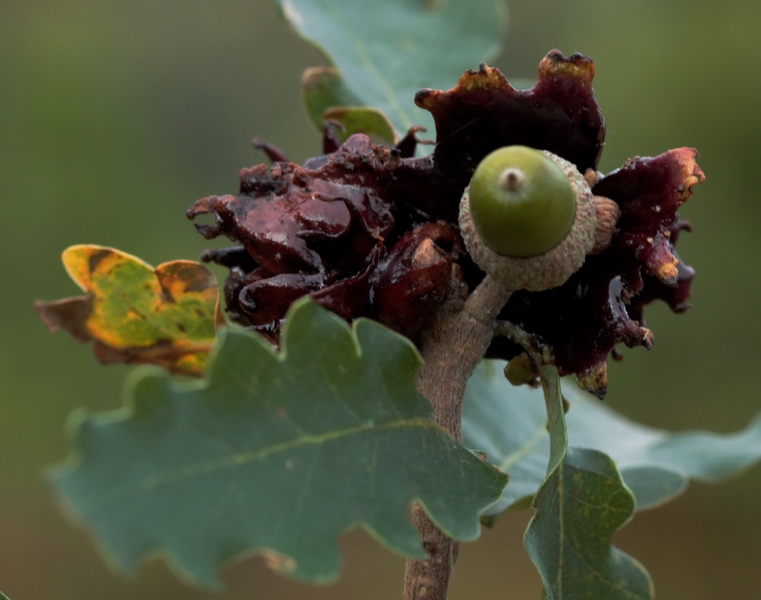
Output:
(608, 214)
(521, 370)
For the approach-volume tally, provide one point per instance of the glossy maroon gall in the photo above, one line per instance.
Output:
(372, 231)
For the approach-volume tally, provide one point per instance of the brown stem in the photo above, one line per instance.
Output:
(452, 347)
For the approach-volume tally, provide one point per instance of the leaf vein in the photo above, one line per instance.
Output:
(157, 480)
(524, 450)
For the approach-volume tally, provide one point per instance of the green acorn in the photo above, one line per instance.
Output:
(521, 202)
(528, 218)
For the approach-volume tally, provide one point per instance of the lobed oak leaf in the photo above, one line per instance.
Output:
(580, 505)
(276, 453)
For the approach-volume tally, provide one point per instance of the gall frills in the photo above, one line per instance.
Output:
(372, 231)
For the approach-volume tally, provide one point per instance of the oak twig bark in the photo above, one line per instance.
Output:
(452, 346)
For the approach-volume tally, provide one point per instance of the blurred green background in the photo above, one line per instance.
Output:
(115, 116)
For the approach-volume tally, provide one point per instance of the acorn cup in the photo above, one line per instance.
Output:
(529, 219)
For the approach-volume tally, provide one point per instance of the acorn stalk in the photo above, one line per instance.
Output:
(520, 201)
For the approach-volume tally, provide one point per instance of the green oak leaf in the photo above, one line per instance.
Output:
(321, 90)
(655, 464)
(275, 453)
(581, 504)
(385, 51)
(362, 119)
(326, 99)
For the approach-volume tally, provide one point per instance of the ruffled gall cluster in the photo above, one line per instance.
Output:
(372, 231)
(337, 230)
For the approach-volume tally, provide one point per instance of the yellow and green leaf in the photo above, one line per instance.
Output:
(134, 313)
